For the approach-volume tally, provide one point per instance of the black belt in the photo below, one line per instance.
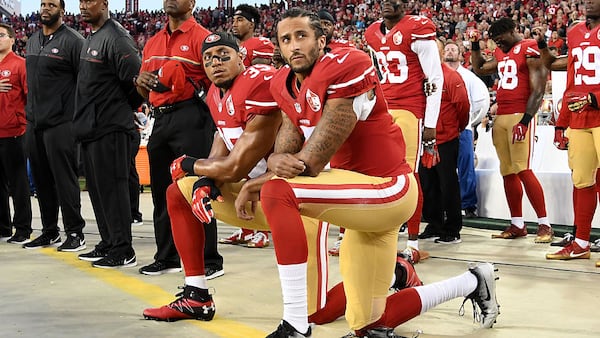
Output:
(169, 108)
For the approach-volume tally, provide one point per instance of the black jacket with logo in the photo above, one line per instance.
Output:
(52, 65)
(106, 95)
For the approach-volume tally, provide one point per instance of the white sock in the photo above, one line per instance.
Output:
(197, 281)
(518, 221)
(413, 243)
(543, 220)
(439, 292)
(293, 288)
(582, 243)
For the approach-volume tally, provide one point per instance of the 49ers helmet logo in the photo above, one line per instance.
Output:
(5, 73)
(212, 38)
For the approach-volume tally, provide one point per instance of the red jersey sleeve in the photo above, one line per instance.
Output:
(422, 28)
(531, 49)
(257, 47)
(258, 99)
(263, 49)
(349, 73)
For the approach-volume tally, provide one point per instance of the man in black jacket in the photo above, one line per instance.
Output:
(104, 102)
(52, 65)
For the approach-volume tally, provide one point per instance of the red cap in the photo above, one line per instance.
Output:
(172, 76)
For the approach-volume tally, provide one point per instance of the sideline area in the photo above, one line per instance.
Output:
(50, 294)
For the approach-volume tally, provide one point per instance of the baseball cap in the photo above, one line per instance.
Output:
(171, 77)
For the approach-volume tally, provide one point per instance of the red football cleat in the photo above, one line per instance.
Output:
(193, 303)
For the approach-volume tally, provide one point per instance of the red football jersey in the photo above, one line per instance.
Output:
(376, 145)
(256, 48)
(339, 43)
(248, 96)
(582, 75)
(513, 86)
(401, 72)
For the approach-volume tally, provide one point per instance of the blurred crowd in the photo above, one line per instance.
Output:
(454, 18)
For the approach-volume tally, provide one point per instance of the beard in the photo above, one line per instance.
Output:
(312, 56)
(51, 20)
(450, 59)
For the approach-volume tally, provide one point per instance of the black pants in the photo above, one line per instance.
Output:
(441, 192)
(52, 154)
(107, 161)
(134, 179)
(188, 130)
(14, 182)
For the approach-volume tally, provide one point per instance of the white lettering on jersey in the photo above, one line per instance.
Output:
(507, 71)
(256, 69)
(393, 66)
(585, 63)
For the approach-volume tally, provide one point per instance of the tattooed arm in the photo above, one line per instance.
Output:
(332, 130)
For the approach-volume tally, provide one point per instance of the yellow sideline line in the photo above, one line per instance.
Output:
(154, 295)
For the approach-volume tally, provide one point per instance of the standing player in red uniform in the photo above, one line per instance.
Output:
(335, 114)
(406, 55)
(580, 113)
(255, 50)
(520, 92)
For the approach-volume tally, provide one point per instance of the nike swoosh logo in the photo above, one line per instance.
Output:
(268, 77)
(342, 59)
(574, 255)
(129, 261)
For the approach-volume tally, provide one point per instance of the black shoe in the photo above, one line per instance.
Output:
(595, 246)
(113, 261)
(137, 222)
(212, 272)
(471, 213)
(429, 235)
(93, 256)
(566, 240)
(448, 240)
(44, 240)
(160, 267)
(18, 239)
(73, 243)
(285, 330)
